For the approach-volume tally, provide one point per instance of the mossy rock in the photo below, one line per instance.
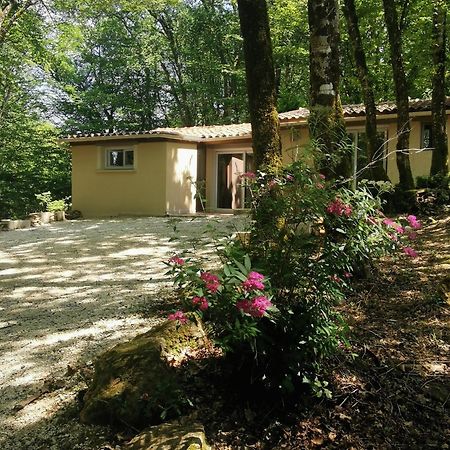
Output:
(181, 435)
(136, 382)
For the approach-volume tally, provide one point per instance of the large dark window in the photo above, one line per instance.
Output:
(427, 136)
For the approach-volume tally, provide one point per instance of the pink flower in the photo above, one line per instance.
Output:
(339, 208)
(254, 281)
(272, 183)
(410, 252)
(211, 281)
(201, 302)
(322, 176)
(289, 177)
(347, 275)
(398, 228)
(335, 278)
(176, 260)
(256, 307)
(412, 236)
(413, 222)
(390, 223)
(249, 175)
(180, 316)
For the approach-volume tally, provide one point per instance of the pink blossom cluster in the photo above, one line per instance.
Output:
(201, 302)
(254, 281)
(392, 224)
(413, 222)
(249, 175)
(410, 252)
(211, 281)
(339, 208)
(176, 260)
(256, 307)
(179, 315)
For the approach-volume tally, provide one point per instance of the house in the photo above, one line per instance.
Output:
(157, 172)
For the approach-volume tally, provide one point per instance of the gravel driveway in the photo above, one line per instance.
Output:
(68, 291)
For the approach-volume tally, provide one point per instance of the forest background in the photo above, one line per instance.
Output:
(68, 66)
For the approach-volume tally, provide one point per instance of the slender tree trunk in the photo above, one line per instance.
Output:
(254, 22)
(326, 121)
(401, 94)
(374, 146)
(439, 163)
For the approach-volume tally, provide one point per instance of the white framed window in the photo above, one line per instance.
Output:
(119, 158)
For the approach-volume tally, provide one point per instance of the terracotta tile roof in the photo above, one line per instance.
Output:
(209, 132)
(200, 133)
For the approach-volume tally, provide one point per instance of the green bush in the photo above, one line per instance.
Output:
(271, 305)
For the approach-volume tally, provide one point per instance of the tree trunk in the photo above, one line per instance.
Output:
(326, 121)
(254, 22)
(374, 146)
(401, 94)
(439, 163)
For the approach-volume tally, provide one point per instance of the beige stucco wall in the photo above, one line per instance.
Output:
(420, 159)
(97, 192)
(181, 168)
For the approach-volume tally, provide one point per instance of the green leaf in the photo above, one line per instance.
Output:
(247, 263)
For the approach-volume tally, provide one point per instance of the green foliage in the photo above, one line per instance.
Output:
(225, 299)
(31, 160)
(309, 239)
(48, 204)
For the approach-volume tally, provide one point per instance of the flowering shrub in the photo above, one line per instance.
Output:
(309, 238)
(233, 300)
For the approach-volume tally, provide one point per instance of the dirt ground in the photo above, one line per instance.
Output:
(67, 292)
(391, 387)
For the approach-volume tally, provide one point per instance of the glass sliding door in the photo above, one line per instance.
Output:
(230, 167)
(360, 159)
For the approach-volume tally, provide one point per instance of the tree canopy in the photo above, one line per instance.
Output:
(139, 64)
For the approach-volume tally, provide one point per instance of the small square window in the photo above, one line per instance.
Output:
(119, 158)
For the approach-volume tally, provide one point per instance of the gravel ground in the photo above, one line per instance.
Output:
(69, 291)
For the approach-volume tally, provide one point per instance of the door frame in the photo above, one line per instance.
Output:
(228, 151)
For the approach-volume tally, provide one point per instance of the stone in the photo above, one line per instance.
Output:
(179, 435)
(137, 382)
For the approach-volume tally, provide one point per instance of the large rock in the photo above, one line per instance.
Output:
(137, 382)
(171, 436)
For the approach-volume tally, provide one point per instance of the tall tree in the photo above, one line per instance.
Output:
(394, 30)
(373, 142)
(261, 89)
(326, 121)
(439, 163)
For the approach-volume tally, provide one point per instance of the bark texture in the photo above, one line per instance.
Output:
(261, 88)
(326, 121)
(374, 145)
(439, 163)
(401, 94)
